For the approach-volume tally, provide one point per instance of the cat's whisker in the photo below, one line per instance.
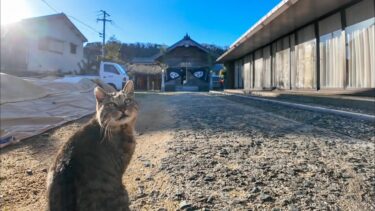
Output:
(105, 128)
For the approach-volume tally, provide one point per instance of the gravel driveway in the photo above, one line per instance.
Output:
(228, 153)
(200, 151)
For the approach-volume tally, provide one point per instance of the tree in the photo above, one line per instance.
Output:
(112, 50)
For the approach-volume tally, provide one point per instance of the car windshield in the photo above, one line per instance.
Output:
(120, 69)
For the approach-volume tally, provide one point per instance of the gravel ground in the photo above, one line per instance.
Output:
(207, 152)
(227, 153)
(366, 105)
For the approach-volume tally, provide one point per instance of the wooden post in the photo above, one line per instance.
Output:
(135, 82)
(162, 80)
(148, 82)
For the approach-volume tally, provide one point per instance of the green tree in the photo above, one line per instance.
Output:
(112, 50)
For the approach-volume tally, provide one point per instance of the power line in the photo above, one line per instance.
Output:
(88, 26)
(50, 6)
(76, 19)
(117, 26)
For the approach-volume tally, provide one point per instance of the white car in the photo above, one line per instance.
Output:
(113, 74)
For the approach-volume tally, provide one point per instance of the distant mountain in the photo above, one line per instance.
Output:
(214, 49)
(129, 51)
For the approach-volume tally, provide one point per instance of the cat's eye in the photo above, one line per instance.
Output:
(127, 101)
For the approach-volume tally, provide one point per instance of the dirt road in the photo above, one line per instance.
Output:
(199, 151)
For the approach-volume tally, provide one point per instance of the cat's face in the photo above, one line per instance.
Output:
(116, 109)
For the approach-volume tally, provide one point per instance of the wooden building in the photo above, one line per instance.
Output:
(188, 66)
(306, 45)
(146, 74)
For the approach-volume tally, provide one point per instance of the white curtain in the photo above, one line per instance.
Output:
(267, 67)
(247, 72)
(360, 37)
(305, 76)
(293, 61)
(258, 60)
(281, 63)
(332, 52)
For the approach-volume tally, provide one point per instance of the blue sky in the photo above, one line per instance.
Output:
(218, 22)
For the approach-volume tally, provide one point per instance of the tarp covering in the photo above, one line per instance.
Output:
(33, 113)
(13, 89)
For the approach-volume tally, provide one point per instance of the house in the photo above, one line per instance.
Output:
(188, 66)
(146, 73)
(42, 44)
(306, 45)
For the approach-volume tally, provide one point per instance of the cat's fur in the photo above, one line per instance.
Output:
(87, 173)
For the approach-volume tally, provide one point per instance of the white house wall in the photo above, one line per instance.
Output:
(42, 60)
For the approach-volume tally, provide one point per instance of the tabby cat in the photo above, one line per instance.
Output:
(87, 173)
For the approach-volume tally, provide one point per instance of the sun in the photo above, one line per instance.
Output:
(14, 10)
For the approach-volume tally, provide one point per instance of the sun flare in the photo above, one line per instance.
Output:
(14, 10)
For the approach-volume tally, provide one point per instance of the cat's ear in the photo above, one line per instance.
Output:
(100, 94)
(129, 88)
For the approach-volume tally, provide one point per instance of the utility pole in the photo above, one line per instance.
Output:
(104, 20)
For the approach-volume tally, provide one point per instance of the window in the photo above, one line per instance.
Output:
(110, 69)
(332, 53)
(73, 48)
(238, 74)
(258, 69)
(51, 44)
(305, 76)
(281, 63)
(247, 72)
(360, 42)
(267, 67)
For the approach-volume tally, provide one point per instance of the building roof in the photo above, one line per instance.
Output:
(142, 60)
(54, 17)
(286, 17)
(184, 42)
(151, 69)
